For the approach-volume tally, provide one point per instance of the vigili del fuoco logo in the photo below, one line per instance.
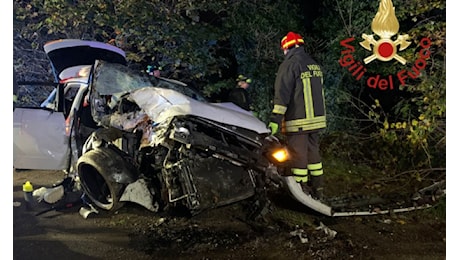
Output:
(385, 25)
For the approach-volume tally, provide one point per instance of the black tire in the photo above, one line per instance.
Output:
(96, 170)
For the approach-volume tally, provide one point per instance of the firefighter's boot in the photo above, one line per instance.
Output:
(301, 177)
(317, 187)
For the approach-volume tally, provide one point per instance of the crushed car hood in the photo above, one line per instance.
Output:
(161, 104)
(69, 53)
(162, 99)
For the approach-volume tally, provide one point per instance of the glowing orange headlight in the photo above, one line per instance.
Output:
(280, 155)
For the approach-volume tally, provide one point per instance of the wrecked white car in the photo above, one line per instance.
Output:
(161, 145)
(128, 137)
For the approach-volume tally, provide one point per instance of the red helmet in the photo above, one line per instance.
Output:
(290, 40)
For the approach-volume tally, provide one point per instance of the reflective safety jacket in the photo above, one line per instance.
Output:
(299, 93)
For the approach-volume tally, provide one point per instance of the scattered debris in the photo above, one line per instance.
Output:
(301, 234)
(329, 232)
(60, 199)
(85, 212)
(160, 221)
(66, 205)
(54, 195)
(385, 221)
(39, 193)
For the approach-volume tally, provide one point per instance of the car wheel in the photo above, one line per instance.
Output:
(96, 169)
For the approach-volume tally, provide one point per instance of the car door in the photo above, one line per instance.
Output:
(39, 140)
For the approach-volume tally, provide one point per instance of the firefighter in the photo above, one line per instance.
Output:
(239, 95)
(299, 109)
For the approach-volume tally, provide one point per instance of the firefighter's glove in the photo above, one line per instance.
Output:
(275, 123)
(274, 127)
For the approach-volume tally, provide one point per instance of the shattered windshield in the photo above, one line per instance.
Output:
(116, 79)
(111, 78)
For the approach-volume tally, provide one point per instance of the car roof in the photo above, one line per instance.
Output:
(65, 54)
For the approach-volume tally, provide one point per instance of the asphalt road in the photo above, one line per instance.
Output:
(63, 234)
(136, 233)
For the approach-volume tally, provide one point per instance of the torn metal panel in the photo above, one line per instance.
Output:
(139, 192)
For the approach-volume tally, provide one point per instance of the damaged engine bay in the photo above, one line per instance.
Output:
(160, 148)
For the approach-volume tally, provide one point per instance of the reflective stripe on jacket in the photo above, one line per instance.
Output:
(299, 92)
